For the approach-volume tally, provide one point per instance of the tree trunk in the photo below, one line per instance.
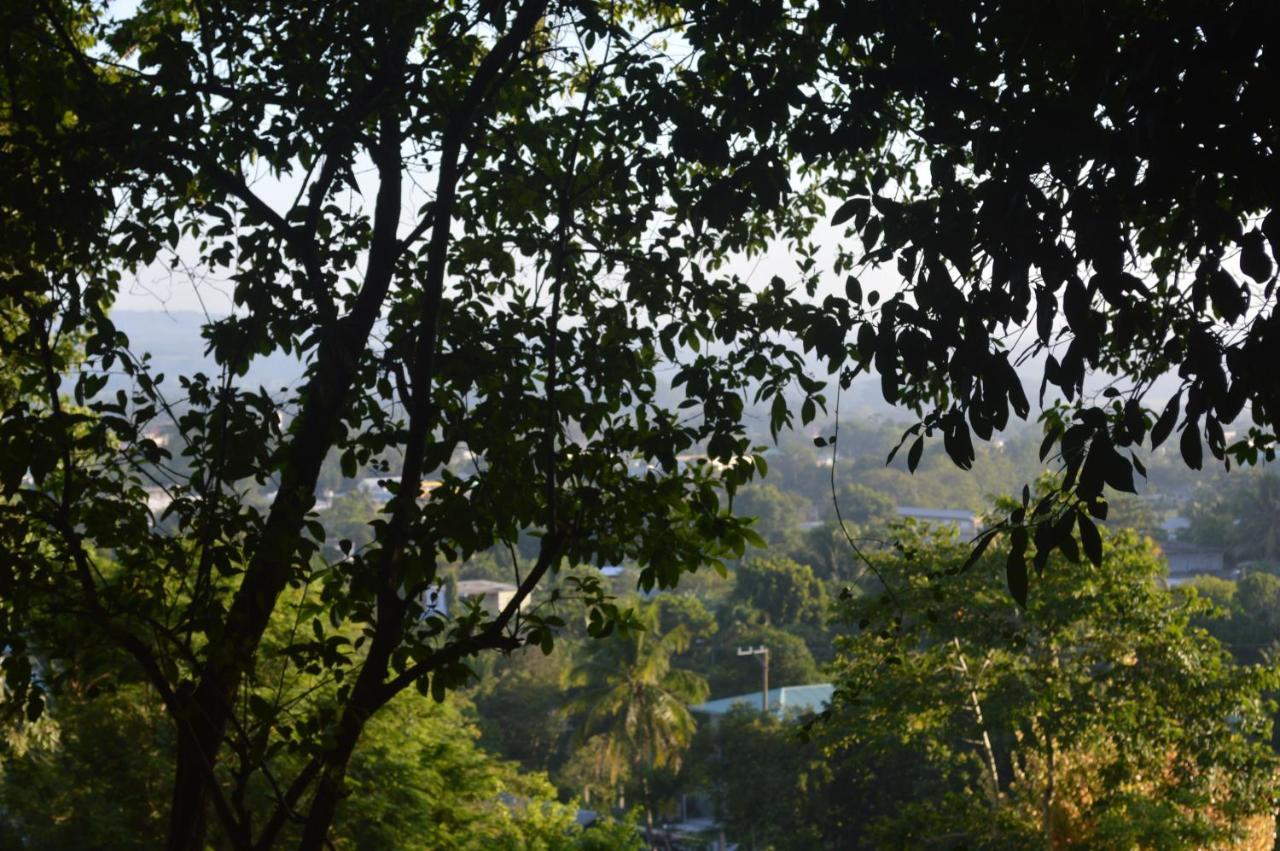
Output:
(229, 652)
(648, 813)
(369, 693)
(1048, 794)
(188, 812)
(367, 697)
(993, 767)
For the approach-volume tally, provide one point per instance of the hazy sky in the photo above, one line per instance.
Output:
(184, 285)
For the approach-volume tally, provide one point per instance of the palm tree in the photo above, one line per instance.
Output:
(637, 704)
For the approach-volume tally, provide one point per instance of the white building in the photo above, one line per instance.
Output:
(783, 702)
(158, 499)
(492, 596)
(1187, 561)
(966, 521)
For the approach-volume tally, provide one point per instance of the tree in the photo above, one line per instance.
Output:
(687, 612)
(791, 661)
(1241, 517)
(588, 183)
(865, 507)
(778, 513)
(418, 779)
(522, 711)
(96, 776)
(1246, 614)
(518, 307)
(348, 520)
(783, 592)
(769, 787)
(1098, 715)
(1126, 511)
(1034, 177)
(637, 705)
(825, 550)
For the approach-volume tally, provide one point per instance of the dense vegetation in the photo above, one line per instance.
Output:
(1109, 713)
(511, 246)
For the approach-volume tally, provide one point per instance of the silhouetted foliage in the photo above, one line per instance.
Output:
(1092, 191)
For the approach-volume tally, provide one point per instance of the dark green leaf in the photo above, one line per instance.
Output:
(1015, 568)
(846, 210)
(1118, 472)
(914, 453)
(1164, 425)
(1090, 540)
(1192, 454)
(1254, 261)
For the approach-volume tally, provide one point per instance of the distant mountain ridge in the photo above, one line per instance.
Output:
(177, 348)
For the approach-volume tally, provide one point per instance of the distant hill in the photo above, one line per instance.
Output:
(176, 347)
(174, 341)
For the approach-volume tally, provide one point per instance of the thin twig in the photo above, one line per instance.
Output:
(835, 501)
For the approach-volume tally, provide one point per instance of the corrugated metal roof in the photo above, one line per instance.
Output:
(923, 513)
(806, 698)
(475, 587)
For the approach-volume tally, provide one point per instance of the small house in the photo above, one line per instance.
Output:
(492, 596)
(1187, 561)
(784, 701)
(965, 521)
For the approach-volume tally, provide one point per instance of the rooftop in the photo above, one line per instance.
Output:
(807, 698)
(1177, 547)
(477, 587)
(957, 514)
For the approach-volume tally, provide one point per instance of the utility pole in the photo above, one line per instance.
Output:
(763, 652)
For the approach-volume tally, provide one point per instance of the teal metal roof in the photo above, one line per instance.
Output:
(782, 701)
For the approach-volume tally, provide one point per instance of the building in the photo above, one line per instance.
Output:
(1187, 561)
(788, 700)
(374, 487)
(158, 500)
(492, 596)
(966, 521)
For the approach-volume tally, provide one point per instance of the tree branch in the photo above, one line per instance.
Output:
(494, 635)
(235, 185)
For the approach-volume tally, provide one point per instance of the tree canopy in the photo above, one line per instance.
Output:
(1099, 715)
(637, 717)
(1100, 184)
(510, 230)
